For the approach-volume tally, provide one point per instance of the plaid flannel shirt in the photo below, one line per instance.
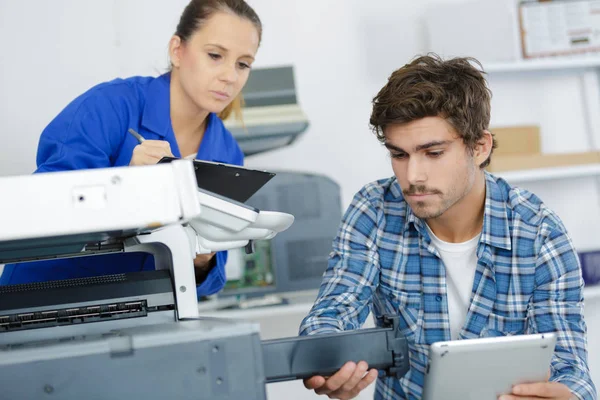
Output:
(528, 280)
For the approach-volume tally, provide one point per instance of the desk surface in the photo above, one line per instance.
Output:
(591, 293)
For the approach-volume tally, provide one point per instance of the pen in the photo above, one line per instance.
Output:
(136, 135)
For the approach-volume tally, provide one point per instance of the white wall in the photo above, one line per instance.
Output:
(343, 51)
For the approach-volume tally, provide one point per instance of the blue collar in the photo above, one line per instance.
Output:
(496, 230)
(156, 116)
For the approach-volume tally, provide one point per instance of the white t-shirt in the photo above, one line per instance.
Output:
(460, 260)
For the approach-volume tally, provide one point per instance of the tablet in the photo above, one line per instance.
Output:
(231, 181)
(483, 369)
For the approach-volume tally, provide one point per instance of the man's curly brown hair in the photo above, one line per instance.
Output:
(429, 86)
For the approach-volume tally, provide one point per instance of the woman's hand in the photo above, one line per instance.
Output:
(150, 152)
(203, 263)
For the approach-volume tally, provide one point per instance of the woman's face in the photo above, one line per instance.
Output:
(213, 65)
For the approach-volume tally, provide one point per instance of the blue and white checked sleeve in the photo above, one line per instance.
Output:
(352, 273)
(557, 306)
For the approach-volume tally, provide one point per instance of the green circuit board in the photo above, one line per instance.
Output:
(257, 270)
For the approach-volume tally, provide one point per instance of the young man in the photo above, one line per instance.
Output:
(452, 250)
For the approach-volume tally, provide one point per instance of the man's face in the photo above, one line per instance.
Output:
(432, 164)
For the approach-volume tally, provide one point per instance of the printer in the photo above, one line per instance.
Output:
(139, 335)
(272, 117)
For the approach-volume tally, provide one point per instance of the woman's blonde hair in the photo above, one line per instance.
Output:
(235, 108)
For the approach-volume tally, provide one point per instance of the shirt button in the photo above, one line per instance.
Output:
(438, 298)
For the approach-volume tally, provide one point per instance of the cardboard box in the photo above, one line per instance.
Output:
(533, 161)
(519, 148)
(517, 140)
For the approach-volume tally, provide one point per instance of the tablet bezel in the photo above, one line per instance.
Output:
(485, 368)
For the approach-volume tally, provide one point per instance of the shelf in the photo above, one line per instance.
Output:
(260, 312)
(544, 64)
(544, 174)
(591, 292)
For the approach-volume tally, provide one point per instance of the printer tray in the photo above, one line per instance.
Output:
(207, 359)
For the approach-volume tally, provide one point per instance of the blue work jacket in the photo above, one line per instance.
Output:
(91, 132)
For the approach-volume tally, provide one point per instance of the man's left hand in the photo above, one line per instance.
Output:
(539, 390)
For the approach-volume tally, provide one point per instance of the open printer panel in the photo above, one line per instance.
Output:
(43, 310)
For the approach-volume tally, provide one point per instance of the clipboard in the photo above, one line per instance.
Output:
(231, 181)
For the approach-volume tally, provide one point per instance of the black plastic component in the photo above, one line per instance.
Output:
(302, 357)
(98, 289)
(73, 315)
(231, 181)
(250, 247)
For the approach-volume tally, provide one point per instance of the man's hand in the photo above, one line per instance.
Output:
(539, 390)
(150, 152)
(345, 384)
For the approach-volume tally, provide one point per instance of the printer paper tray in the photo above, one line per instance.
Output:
(194, 359)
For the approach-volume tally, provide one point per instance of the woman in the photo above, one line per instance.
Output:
(211, 54)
